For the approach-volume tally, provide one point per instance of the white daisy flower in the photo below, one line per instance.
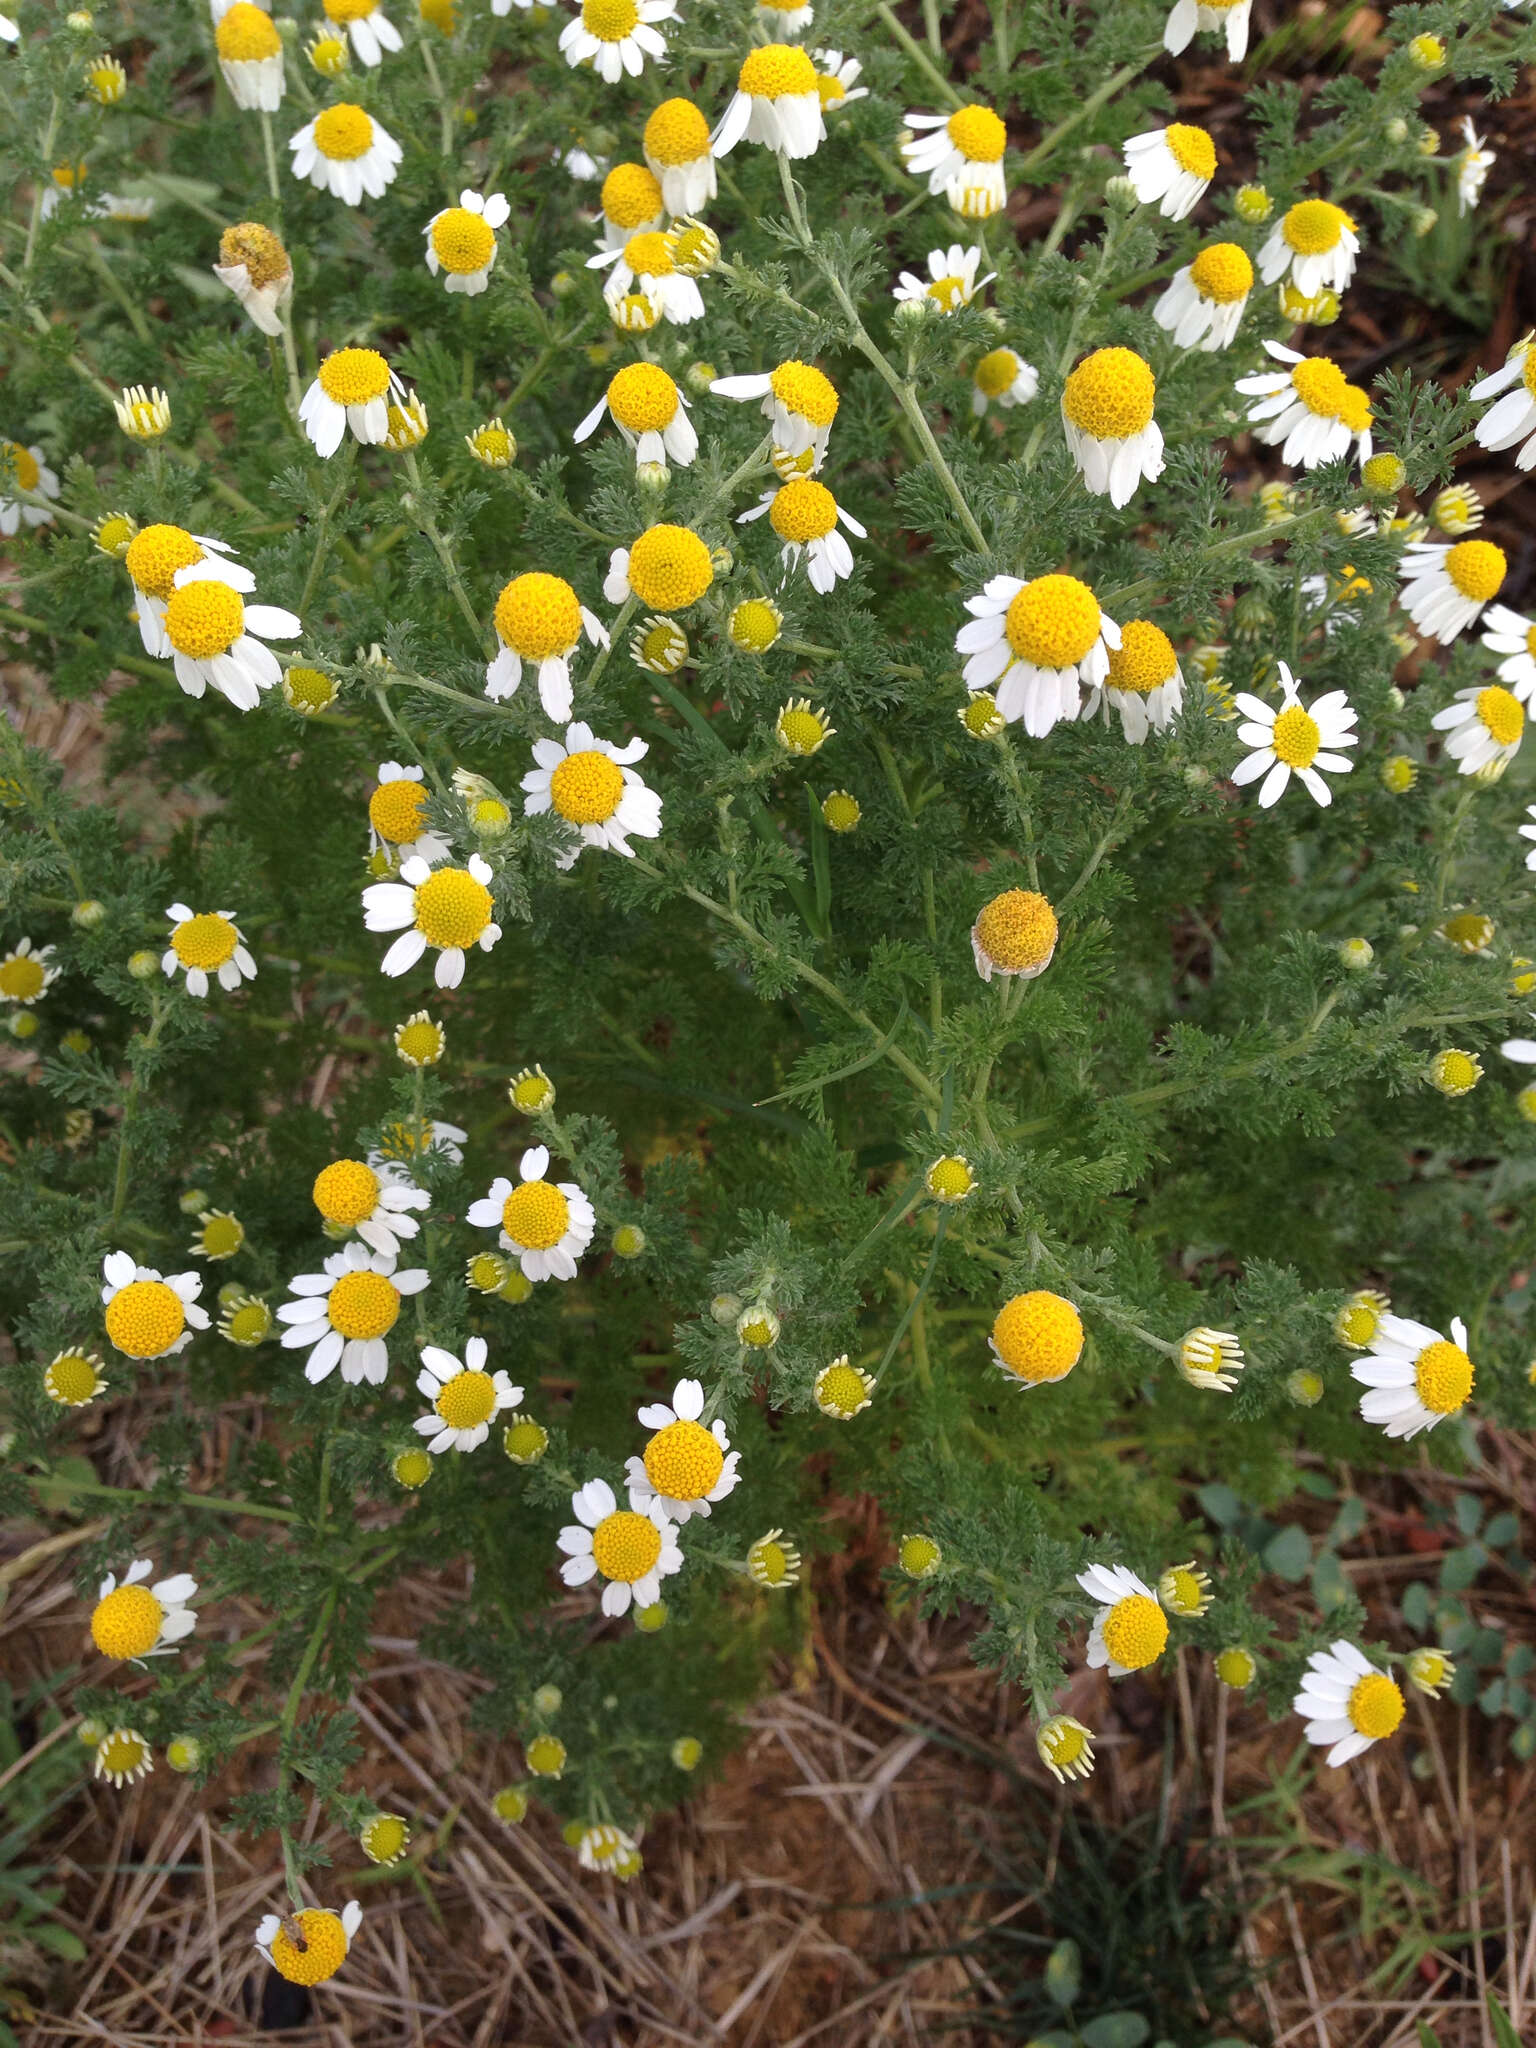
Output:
(540, 620)
(353, 1196)
(1414, 1375)
(778, 22)
(1472, 168)
(668, 568)
(250, 57)
(1301, 407)
(1204, 306)
(213, 636)
(461, 240)
(1171, 168)
(1347, 1702)
(1513, 418)
(1292, 739)
(466, 1399)
(632, 1549)
(777, 103)
(961, 156)
(678, 155)
(254, 265)
(346, 152)
(395, 814)
(1130, 1629)
(1485, 725)
(1215, 17)
(805, 516)
(591, 785)
(27, 972)
(1033, 645)
(369, 29)
(1514, 636)
(645, 266)
(1145, 684)
(343, 1314)
(131, 1620)
(149, 1315)
(326, 1937)
(156, 556)
(448, 908)
(354, 388)
(616, 36)
(546, 1224)
(401, 1143)
(206, 942)
(688, 1464)
(23, 469)
(1106, 412)
(650, 412)
(837, 79)
(1002, 378)
(951, 281)
(1317, 243)
(798, 400)
(632, 201)
(9, 30)
(1445, 587)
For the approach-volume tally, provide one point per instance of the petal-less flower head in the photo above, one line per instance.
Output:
(219, 1235)
(492, 445)
(1171, 168)
(540, 620)
(1346, 1702)
(1130, 1629)
(1292, 738)
(344, 1313)
(961, 155)
(466, 1399)
(754, 625)
(105, 79)
(309, 1946)
(616, 36)
(250, 57)
(546, 1224)
(27, 973)
(1485, 726)
(842, 1390)
(806, 516)
(1106, 410)
(73, 1379)
(631, 1549)
(1215, 17)
(1513, 417)
(385, 1838)
(677, 152)
(632, 200)
(950, 284)
(1037, 1338)
(1211, 1359)
(461, 240)
(1065, 1747)
(646, 266)
(132, 1620)
(368, 27)
(950, 1178)
(1472, 168)
(649, 411)
(777, 102)
(397, 815)
(1455, 1072)
(798, 401)
(246, 1320)
(1014, 935)
(1204, 306)
(590, 785)
(203, 943)
(1002, 378)
(659, 645)
(215, 637)
(919, 1556)
(255, 266)
(1236, 1667)
(148, 1316)
(773, 1563)
(1414, 1376)
(346, 152)
(449, 909)
(1302, 407)
(688, 1464)
(1470, 932)
(1445, 587)
(352, 1196)
(1316, 244)
(24, 470)
(668, 568)
(1033, 645)
(1145, 684)
(354, 388)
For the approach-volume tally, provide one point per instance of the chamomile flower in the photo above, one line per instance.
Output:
(798, 401)
(447, 908)
(132, 1620)
(546, 1224)
(1171, 168)
(397, 816)
(353, 1196)
(1184, 1590)
(1130, 1629)
(461, 240)
(27, 972)
(688, 1464)
(204, 942)
(1145, 684)
(368, 28)
(540, 620)
(1204, 306)
(590, 785)
(632, 201)
(23, 469)
(773, 1563)
(1106, 411)
(805, 516)
(123, 1756)
(677, 153)
(649, 411)
(343, 1314)
(214, 636)
(778, 21)
(250, 57)
(1414, 1376)
(346, 152)
(842, 1390)
(1430, 1671)
(1513, 417)
(777, 103)
(951, 281)
(1065, 1747)
(1215, 17)
(73, 1378)
(1294, 739)
(1002, 378)
(1472, 168)
(1347, 1702)
(466, 1399)
(1315, 244)
(402, 1143)
(254, 265)
(353, 388)
(1445, 587)
(309, 1946)
(492, 445)
(1033, 645)
(668, 568)
(837, 79)
(1359, 1321)
(631, 1549)
(148, 1316)
(220, 1234)
(1301, 407)
(961, 155)
(10, 31)
(645, 266)
(1037, 1338)
(1210, 1359)
(659, 645)
(605, 1847)
(616, 36)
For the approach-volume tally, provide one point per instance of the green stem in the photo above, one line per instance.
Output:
(1048, 142)
(440, 546)
(919, 56)
(148, 1042)
(57, 1484)
(33, 224)
(323, 526)
(269, 150)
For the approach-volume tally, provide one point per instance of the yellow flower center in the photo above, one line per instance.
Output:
(413, 1468)
(1501, 715)
(127, 1623)
(22, 978)
(467, 1400)
(1321, 387)
(777, 71)
(309, 689)
(769, 1561)
(1476, 567)
(384, 1838)
(204, 619)
(441, 14)
(841, 1388)
(631, 193)
(493, 445)
(1064, 1742)
(250, 1322)
(121, 1753)
(545, 1756)
(71, 1379)
(343, 11)
(1296, 738)
(1235, 1667)
(1443, 1374)
(1144, 660)
(354, 376)
(831, 88)
(676, 133)
(538, 616)
(363, 1305)
(452, 908)
(343, 133)
(246, 35)
(1017, 930)
(996, 372)
(918, 1554)
(755, 625)
(669, 568)
(1053, 622)
(609, 20)
(1469, 930)
(1109, 395)
(841, 810)
(1222, 273)
(1456, 1073)
(1191, 149)
(1358, 1323)
(1039, 1337)
(643, 398)
(68, 176)
(950, 1178)
(978, 134)
(800, 729)
(1186, 1595)
(1375, 1705)
(17, 462)
(524, 1441)
(1135, 1631)
(421, 1044)
(634, 313)
(462, 241)
(1313, 226)
(221, 1236)
(145, 1318)
(155, 555)
(395, 810)
(626, 1545)
(948, 292)
(803, 510)
(683, 1461)
(1356, 411)
(536, 1215)
(324, 1938)
(346, 1192)
(804, 391)
(649, 254)
(532, 1092)
(205, 941)
(586, 787)
(114, 534)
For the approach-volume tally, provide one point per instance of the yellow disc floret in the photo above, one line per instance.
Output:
(246, 35)
(1144, 660)
(363, 1305)
(354, 376)
(1017, 931)
(631, 194)
(805, 391)
(20, 463)
(676, 133)
(155, 555)
(1110, 394)
(346, 1192)
(145, 1318)
(1222, 273)
(323, 1938)
(452, 908)
(1357, 413)
(249, 242)
(467, 1400)
(1135, 1632)
(538, 616)
(1038, 1337)
(203, 619)
(949, 1178)
(586, 787)
(343, 132)
(1313, 226)
(1501, 714)
(395, 810)
(996, 372)
(669, 568)
(683, 1461)
(1321, 386)
(344, 11)
(643, 398)
(978, 134)
(23, 978)
(1443, 1375)
(777, 71)
(1375, 1705)
(462, 241)
(842, 1389)
(127, 1623)
(754, 624)
(609, 20)
(1191, 149)
(1053, 622)
(72, 1379)
(803, 510)
(1296, 738)
(205, 941)
(649, 254)
(626, 1545)
(536, 1215)
(1476, 567)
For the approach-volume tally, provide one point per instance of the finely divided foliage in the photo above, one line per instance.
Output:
(856, 851)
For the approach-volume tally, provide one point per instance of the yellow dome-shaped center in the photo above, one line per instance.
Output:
(978, 134)
(205, 941)
(631, 196)
(1222, 273)
(755, 625)
(395, 809)
(1443, 1375)
(1375, 1705)
(626, 1545)
(669, 568)
(127, 1622)
(996, 372)
(452, 908)
(1064, 1742)
(1053, 622)
(463, 242)
(363, 1305)
(155, 555)
(1191, 149)
(1185, 1593)
(71, 1379)
(1017, 931)
(676, 133)
(841, 1388)
(1501, 715)
(246, 35)
(536, 1215)
(354, 376)
(250, 243)
(1321, 386)
(1356, 412)
(1476, 567)
(1314, 226)
(203, 619)
(804, 391)
(467, 1400)
(777, 71)
(1296, 738)
(683, 1461)
(324, 1950)
(308, 689)
(343, 133)
(586, 787)
(1038, 1336)
(344, 11)
(950, 1178)
(21, 464)
(145, 1318)
(649, 254)
(23, 978)
(1144, 660)
(610, 20)
(538, 616)
(346, 1192)
(643, 398)
(1135, 1632)
(803, 510)
(1110, 394)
